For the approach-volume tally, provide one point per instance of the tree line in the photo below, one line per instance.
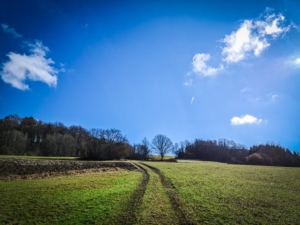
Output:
(28, 136)
(273, 155)
(211, 150)
(229, 152)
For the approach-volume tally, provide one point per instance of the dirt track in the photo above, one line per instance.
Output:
(174, 198)
(130, 215)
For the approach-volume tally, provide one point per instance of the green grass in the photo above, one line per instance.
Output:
(158, 157)
(216, 193)
(209, 193)
(156, 207)
(37, 157)
(80, 199)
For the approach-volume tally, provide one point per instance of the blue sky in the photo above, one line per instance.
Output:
(185, 69)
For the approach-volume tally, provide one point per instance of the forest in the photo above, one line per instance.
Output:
(29, 136)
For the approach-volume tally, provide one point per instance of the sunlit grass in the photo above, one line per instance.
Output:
(216, 193)
(156, 207)
(80, 199)
(158, 157)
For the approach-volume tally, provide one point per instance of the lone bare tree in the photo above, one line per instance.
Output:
(162, 145)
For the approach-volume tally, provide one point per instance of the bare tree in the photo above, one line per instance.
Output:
(175, 149)
(162, 145)
(116, 144)
(145, 147)
(113, 136)
(80, 135)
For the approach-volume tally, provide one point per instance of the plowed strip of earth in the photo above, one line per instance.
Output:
(15, 169)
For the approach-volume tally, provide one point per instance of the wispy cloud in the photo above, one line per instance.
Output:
(250, 95)
(201, 68)
(272, 96)
(245, 89)
(11, 31)
(253, 99)
(189, 82)
(35, 67)
(254, 96)
(252, 37)
(192, 100)
(245, 119)
(292, 62)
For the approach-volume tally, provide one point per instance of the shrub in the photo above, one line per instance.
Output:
(259, 159)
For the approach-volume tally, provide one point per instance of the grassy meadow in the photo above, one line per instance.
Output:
(217, 193)
(80, 199)
(169, 193)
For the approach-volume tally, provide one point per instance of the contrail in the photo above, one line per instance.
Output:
(192, 100)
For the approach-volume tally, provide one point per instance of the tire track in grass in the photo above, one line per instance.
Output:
(156, 207)
(173, 196)
(130, 215)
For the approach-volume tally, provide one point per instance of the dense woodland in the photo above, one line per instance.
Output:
(230, 152)
(28, 136)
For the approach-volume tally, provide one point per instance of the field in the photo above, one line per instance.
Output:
(151, 193)
(216, 193)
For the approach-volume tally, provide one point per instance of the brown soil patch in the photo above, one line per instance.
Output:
(14, 169)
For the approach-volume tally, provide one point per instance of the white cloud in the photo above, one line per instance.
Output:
(192, 100)
(297, 61)
(35, 67)
(245, 119)
(272, 26)
(201, 68)
(251, 37)
(11, 31)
